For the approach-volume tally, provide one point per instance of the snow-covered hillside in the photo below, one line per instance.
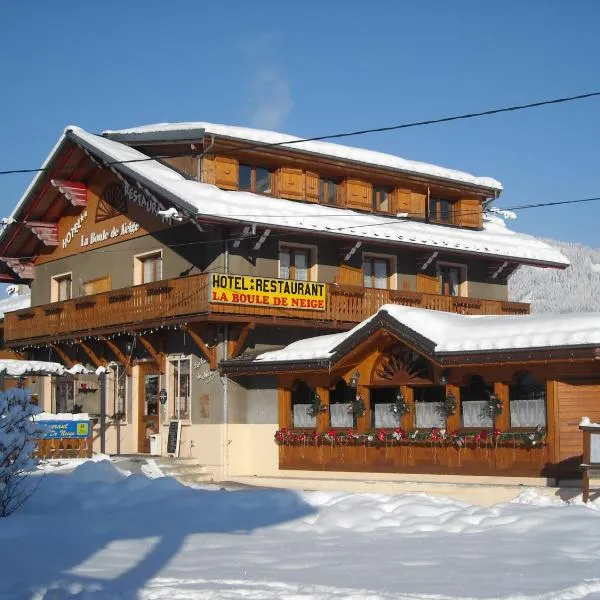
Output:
(576, 289)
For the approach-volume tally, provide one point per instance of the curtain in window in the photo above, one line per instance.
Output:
(475, 414)
(381, 274)
(527, 413)
(284, 264)
(384, 417)
(367, 273)
(301, 260)
(427, 414)
(453, 282)
(341, 415)
(301, 418)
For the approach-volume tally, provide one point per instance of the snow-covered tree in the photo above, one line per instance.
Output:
(17, 442)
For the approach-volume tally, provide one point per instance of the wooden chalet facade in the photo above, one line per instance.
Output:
(177, 255)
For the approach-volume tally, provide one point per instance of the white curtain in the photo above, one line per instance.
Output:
(284, 264)
(428, 414)
(527, 413)
(453, 281)
(341, 415)
(381, 274)
(302, 418)
(301, 259)
(475, 414)
(384, 417)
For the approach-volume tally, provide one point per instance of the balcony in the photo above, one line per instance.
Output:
(176, 300)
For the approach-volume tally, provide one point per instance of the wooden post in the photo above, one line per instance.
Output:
(552, 422)
(502, 421)
(285, 408)
(364, 423)
(323, 417)
(408, 420)
(587, 459)
(453, 423)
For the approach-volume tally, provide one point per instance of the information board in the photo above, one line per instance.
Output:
(65, 429)
(174, 438)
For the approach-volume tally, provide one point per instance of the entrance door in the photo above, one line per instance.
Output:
(148, 406)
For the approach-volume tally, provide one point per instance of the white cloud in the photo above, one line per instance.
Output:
(271, 98)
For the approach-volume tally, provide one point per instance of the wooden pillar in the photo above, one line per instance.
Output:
(323, 417)
(587, 459)
(364, 423)
(407, 422)
(453, 423)
(552, 414)
(285, 408)
(502, 421)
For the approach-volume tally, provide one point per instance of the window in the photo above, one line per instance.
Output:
(441, 210)
(180, 369)
(328, 191)
(382, 198)
(120, 391)
(340, 398)
(450, 279)
(527, 402)
(429, 402)
(376, 272)
(302, 401)
(294, 263)
(64, 396)
(475, 395)
(62, 288)
(148, 268)
(383, 401)
(255, 179)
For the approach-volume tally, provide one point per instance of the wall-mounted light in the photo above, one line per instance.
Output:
(355, 379)
(444, 377)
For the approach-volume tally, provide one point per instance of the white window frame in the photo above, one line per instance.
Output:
(138, 265)
(393, 262)
(179, 358)
(54, 285)
(463, 286)
(313, 271)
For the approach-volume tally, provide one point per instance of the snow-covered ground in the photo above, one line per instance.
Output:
(98, 532)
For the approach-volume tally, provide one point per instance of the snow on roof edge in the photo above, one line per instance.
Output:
(194, 130)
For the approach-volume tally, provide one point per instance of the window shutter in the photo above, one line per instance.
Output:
(417, 205)
(469, 213)
(348, 275)
(291, 183)
(226, 172)
(359, 194)
(342, 193)
(312, 186)
(401, 202)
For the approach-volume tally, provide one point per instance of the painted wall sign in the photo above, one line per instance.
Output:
(95, 237)
(65, 429)
(74, 229)
(264, 291)
(151, 205)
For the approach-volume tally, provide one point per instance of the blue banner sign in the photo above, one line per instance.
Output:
(65, 429)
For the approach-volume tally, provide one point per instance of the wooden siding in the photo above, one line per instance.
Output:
(189, 296)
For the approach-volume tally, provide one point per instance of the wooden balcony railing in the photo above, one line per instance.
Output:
(189, 296)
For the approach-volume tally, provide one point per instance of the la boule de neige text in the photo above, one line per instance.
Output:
(264, 291)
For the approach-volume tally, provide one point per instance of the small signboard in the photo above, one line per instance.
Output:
(174, 438)
(265, 291)
(162, 396)
(65, 429)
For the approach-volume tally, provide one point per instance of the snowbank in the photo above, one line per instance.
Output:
(45, 416)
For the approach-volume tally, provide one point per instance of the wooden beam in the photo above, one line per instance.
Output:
(119, 354)
(68, 362)
(96, 360)
(158, 357)
(209, 353)
(235, 346)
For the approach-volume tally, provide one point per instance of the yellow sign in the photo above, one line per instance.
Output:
(263, 291)
(83, 428)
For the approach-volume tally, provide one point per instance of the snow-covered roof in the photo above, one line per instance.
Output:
(21, 368)
(205, 200)
(16, 302)
(196, 130)
(452, 333)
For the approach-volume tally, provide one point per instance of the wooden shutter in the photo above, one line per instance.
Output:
(428, 284)
(401, 202)
(417, 205)
(348, 275)
(290, 183)
(312, 186)
(95, 286)
(226, 172)
(359, 194)
(469, 213)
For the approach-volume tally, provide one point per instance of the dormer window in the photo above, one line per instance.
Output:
(441, 210)
(328, 191)
(381, 198)
(255, 179)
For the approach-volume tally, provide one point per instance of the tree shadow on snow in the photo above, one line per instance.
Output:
(71, 520)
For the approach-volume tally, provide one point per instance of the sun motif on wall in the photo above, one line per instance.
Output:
(402, 365)
(112, 203)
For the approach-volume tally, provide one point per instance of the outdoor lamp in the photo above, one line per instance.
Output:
(354, 379)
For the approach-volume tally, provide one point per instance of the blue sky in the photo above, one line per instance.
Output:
(313, 68)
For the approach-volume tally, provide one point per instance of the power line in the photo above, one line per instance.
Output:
(472, 115)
